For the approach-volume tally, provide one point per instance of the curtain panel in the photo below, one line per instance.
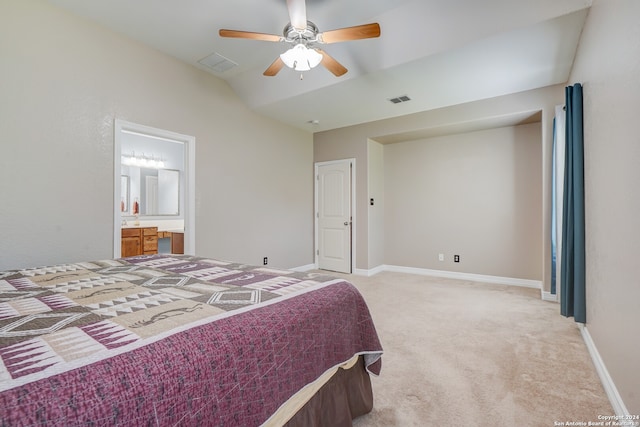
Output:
(572, 287)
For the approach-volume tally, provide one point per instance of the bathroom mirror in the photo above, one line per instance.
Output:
(157, 191)
(124, 194)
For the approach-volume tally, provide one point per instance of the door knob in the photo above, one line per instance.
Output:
(346, 223)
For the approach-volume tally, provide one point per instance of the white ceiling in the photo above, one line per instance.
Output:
(438, 52)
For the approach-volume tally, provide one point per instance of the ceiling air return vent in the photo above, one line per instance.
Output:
(399, 99)
(217, 63)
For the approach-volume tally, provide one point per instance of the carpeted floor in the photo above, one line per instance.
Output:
(461, 353)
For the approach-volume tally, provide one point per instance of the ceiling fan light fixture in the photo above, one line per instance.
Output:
(301, 58)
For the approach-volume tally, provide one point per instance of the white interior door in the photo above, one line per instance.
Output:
(334, 216)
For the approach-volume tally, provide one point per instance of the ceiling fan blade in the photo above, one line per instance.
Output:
(358, 32)
(250, 35)
(331, 64)
(297, 14)
(274, 68)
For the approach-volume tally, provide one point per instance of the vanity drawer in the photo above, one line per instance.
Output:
(130, 232)
(150, 231)
(150, 244)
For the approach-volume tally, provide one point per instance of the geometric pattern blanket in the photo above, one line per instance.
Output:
(170, 340)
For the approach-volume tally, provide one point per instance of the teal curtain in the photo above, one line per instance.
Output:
(572, 286)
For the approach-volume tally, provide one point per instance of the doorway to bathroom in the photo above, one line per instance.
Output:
(154, 184)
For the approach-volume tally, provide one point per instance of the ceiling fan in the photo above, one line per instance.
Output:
(303, 35)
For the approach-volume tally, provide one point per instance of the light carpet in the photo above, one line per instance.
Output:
(460, 353)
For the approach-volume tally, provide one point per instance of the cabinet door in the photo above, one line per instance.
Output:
(177, 243)
(130, 246)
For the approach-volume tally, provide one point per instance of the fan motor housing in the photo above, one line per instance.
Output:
(309, 34)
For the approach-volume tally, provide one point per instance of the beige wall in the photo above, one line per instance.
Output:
(64, 80)
(352, 142)
(348, 146)
(376, 190)
(608, 66)
(475, 194)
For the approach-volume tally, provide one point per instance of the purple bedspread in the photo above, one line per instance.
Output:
(170, 340)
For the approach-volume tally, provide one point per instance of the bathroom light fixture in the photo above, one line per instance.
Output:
(301, 58)
(142, 161)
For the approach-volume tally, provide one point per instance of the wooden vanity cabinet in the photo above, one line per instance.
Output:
(139, 241)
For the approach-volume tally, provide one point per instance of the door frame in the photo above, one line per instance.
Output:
(316, 214)
(120, 127)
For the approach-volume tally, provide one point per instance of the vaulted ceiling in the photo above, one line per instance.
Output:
(436, 52)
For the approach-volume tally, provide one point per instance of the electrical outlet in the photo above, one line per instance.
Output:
(440, 257)
(265, 261)
(456, 258)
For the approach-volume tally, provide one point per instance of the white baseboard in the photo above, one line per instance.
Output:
(362, 272)
(607, 382)
(304, 268)
(369, 273)
(548, 296)
(536, 284)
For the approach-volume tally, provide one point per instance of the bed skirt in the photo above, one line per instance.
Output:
(345, 396)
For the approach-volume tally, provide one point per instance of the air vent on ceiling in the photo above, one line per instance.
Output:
(399, 99)
(217, 63)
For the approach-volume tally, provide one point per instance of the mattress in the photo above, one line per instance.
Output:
(171, 340)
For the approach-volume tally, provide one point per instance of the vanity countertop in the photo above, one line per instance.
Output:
(162, 226)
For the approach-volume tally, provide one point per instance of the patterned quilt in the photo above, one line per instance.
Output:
(170, 340)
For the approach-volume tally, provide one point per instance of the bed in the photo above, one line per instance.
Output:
(182, 340)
